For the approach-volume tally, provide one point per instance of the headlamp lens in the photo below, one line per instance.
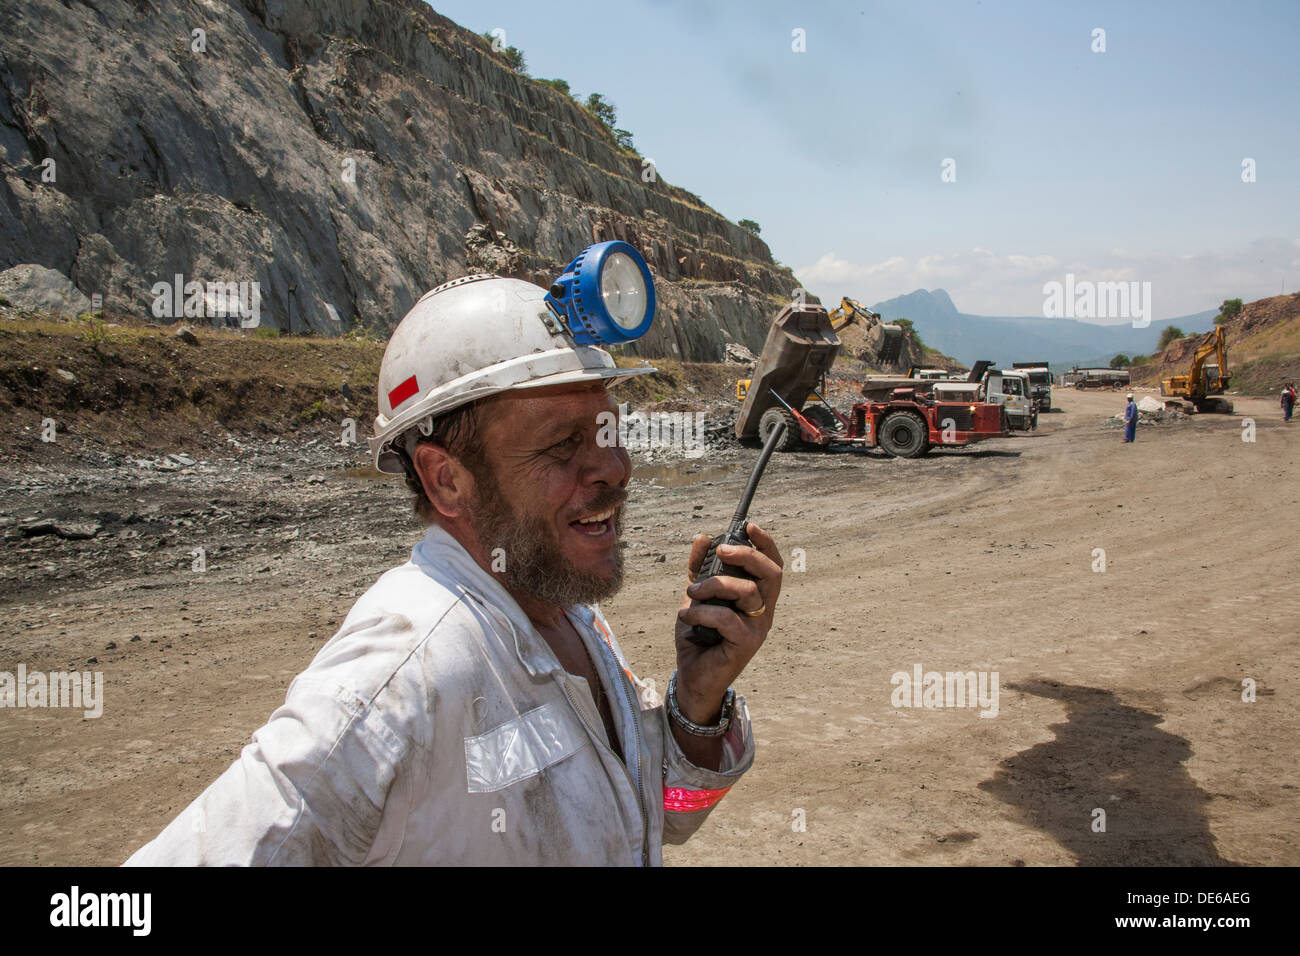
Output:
(605, 296)
(622, 287)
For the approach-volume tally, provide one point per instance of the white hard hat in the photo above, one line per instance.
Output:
(468, 339)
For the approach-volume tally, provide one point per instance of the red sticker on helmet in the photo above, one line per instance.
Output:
(402, 392)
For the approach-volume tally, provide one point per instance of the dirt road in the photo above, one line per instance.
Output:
(1118, 690)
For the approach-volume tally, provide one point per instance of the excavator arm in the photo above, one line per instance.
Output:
(848, 312)
(888, 340)
(1197, 385)
(1219, 349)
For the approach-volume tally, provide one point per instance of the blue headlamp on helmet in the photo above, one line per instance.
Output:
(606, 295)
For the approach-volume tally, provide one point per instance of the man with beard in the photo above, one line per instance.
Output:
(474, 707)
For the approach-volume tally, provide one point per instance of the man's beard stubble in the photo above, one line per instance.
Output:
(535, 564)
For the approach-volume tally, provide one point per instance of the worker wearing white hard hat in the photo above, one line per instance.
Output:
(475, 706)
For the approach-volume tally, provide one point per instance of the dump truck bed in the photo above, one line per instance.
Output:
(800, 348)
(878, 388)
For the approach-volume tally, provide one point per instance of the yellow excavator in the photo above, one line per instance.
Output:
(884, 340)
(1206, 380)
(848, 312)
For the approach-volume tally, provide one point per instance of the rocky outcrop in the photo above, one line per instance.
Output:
(35, 287)
(345, 155)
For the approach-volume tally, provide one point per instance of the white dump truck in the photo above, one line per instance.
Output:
(1013, 390)
(1040, 377)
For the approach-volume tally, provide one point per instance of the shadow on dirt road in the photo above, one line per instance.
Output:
(1109, 756)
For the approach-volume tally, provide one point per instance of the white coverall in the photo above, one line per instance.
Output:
(437, 727)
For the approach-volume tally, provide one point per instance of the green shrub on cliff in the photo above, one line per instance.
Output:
(558, 84)
(1230, 309)
(603, 110)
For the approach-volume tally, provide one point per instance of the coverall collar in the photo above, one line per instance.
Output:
(445, 559)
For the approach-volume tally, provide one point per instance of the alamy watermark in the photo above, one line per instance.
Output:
(84, 690)
(932, 689)
(130, 910)
(211, 300)
(1084, 299)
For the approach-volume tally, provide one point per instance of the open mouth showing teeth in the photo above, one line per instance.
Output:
(594, 525)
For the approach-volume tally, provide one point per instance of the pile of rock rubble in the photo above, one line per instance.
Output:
(1151, 411)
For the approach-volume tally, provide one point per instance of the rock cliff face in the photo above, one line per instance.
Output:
(346, 155)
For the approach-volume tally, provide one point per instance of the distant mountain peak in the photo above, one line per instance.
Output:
(927, 304)
(941, 296)
(969, 337)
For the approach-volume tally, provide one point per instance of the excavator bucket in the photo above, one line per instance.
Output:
(891, 344)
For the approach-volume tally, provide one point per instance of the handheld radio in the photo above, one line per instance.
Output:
(735, 534)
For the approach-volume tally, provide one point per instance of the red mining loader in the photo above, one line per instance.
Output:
(789, 384)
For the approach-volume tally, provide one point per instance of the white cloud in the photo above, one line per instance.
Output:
(1033, 263)
(985, 282)
(832, 269)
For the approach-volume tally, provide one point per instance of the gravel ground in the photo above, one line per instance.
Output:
(1119, 690)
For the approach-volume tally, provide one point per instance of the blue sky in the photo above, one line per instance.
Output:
(1116, 165)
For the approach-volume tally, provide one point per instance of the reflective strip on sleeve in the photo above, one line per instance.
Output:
(679, 800)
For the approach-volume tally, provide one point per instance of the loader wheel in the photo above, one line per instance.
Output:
(790, 440)
(904, 435)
